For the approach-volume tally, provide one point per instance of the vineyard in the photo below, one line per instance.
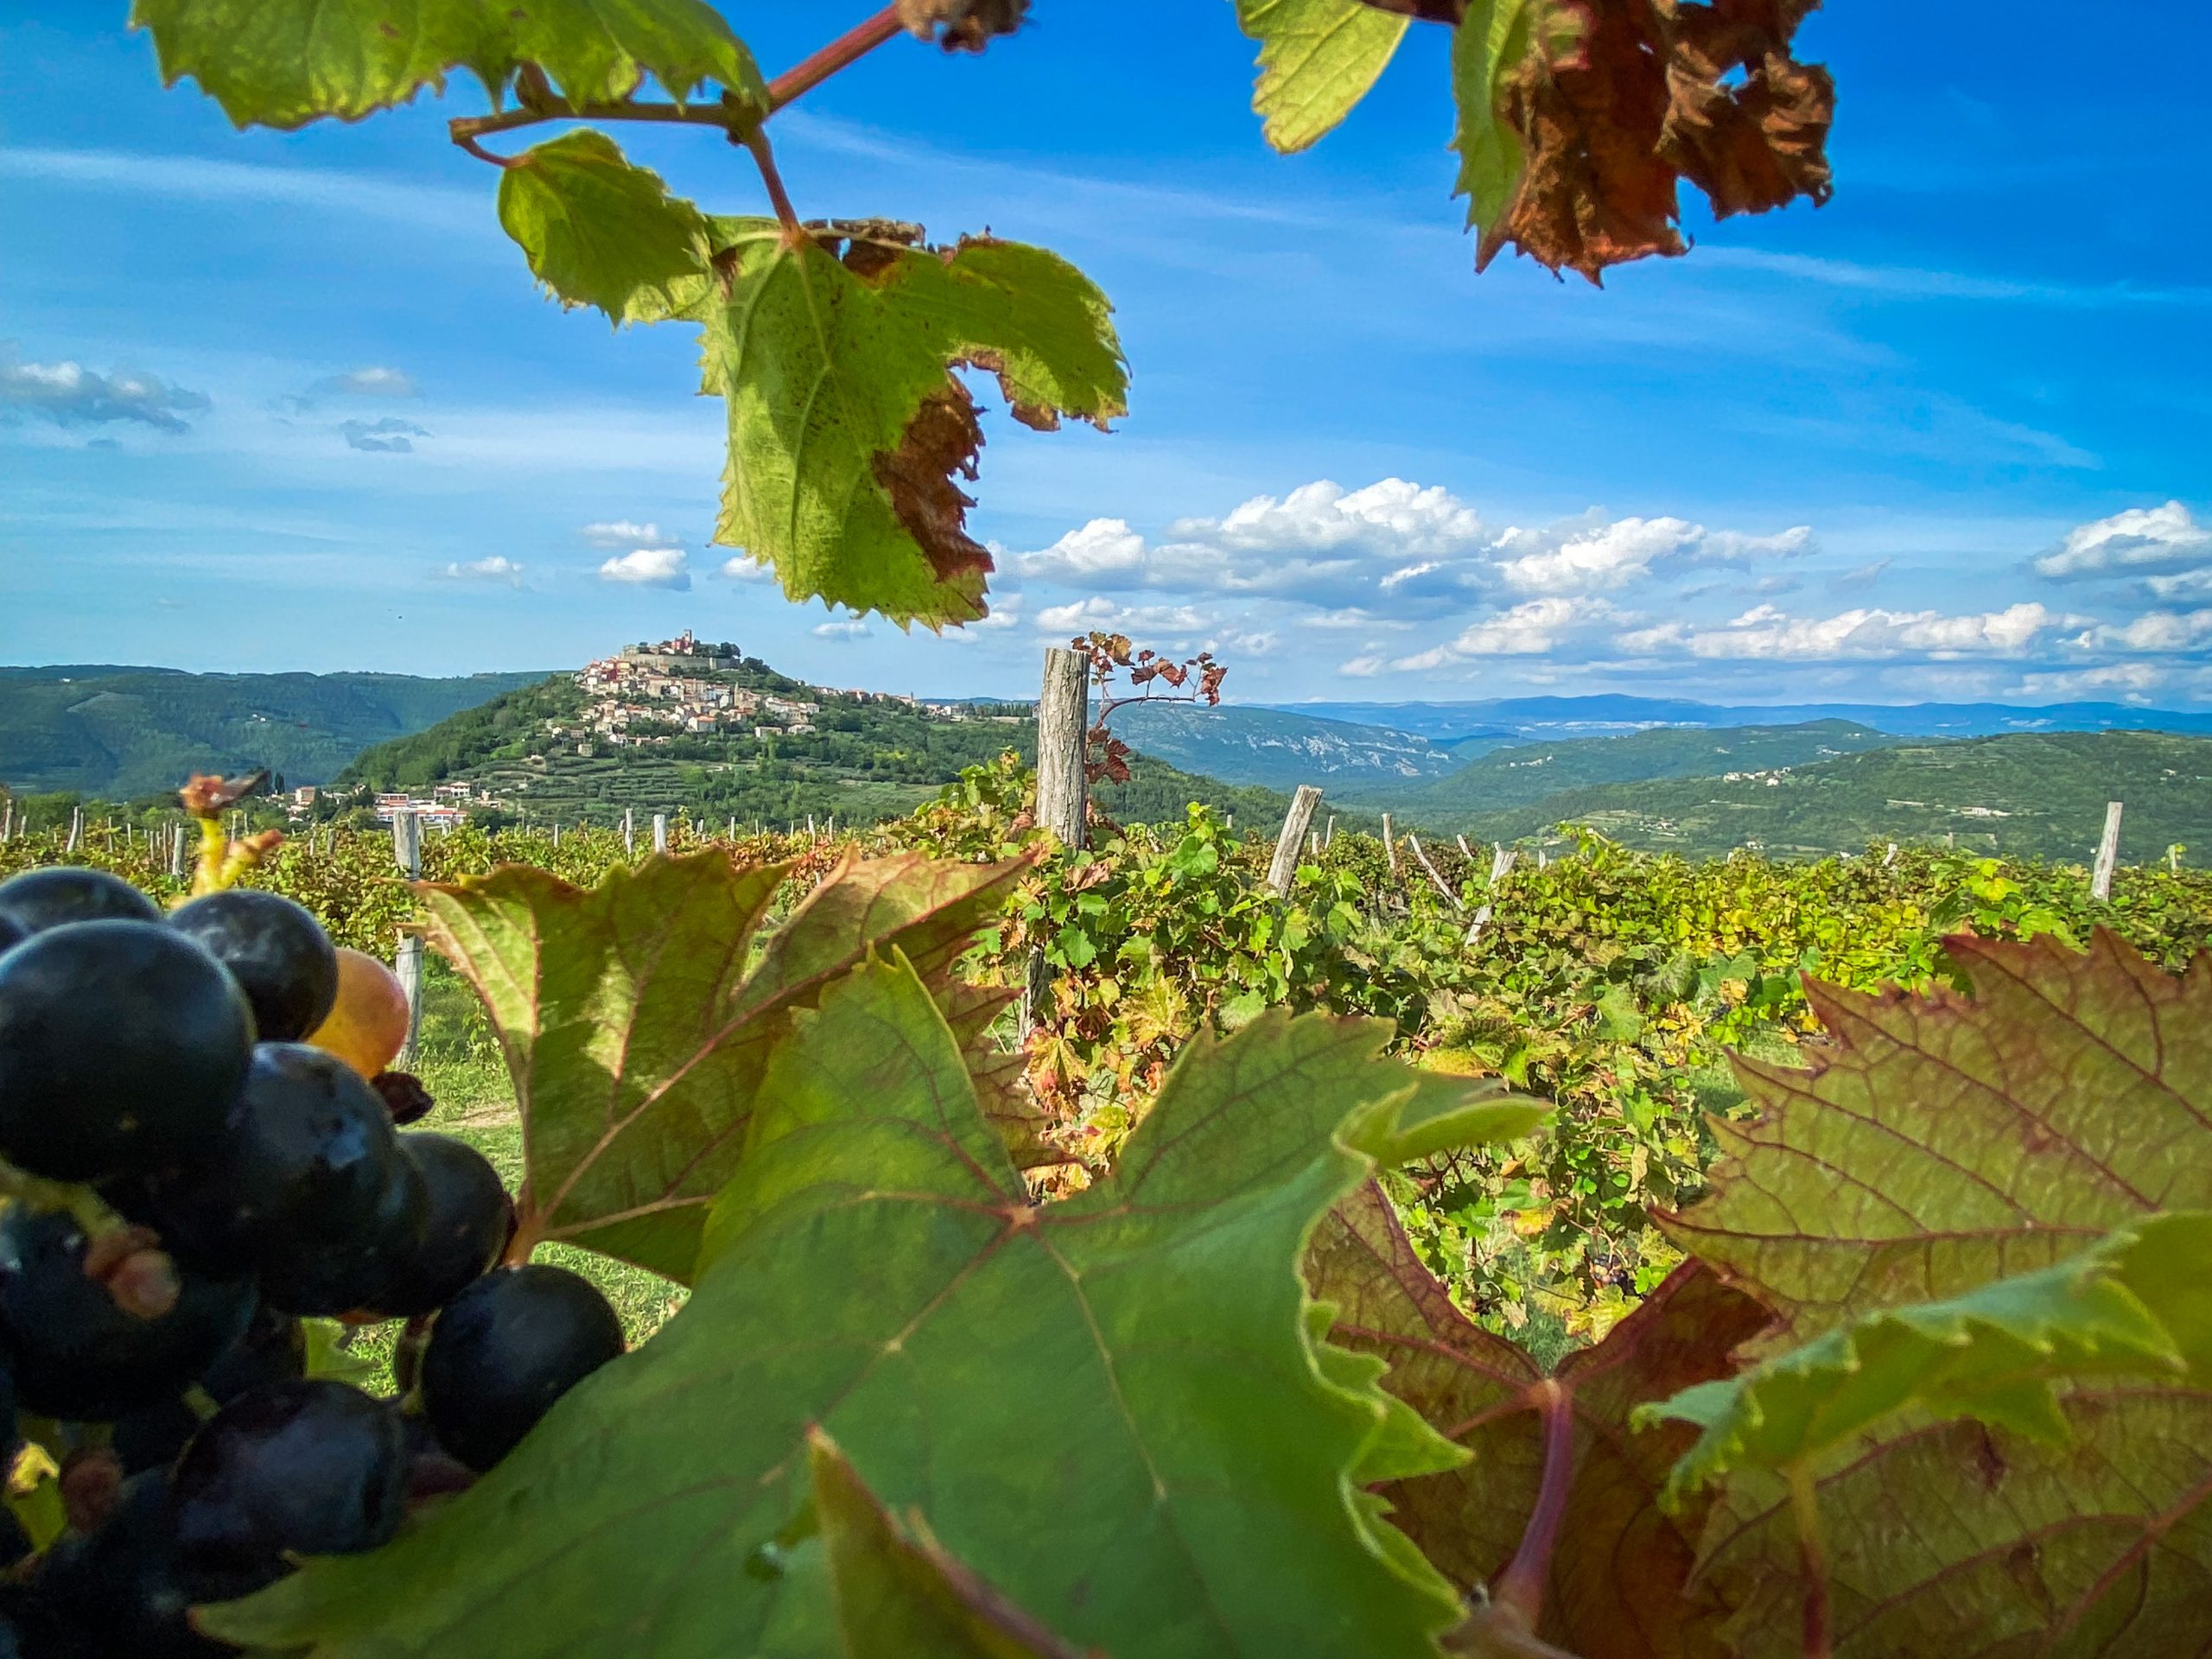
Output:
(1001, 1233)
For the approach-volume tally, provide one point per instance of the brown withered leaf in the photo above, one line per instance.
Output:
(941, 441)
(1618, 1584)
(962, 25)
(1614, 102)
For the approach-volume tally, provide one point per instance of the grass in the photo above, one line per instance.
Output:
(460, 1064)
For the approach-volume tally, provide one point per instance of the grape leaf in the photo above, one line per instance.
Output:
(637, 1040)
(1318, 58)
(1939, 1144)
(1615, 1583)
(1942, 1142)
(283, 63)
(1578, 122)
(1108, 1407)
(897, 1592)
(1994, 1354)
(597, 230)
(834, 353)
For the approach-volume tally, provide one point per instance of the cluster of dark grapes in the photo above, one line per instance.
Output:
(218, 1154)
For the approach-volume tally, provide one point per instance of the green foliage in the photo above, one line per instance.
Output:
(630, 1025)
(1109, 1408)
(845, 424)
(596, 229)
(1492, 42)
(2135, 1304)
(1318, 58)
(283, 63)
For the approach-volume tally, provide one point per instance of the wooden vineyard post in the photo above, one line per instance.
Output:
(2108, 856)
(1390, 846)
(1063, 746)
(660, 832)
(1413, 841)
(1295, 824)
(76, 829)
(176, 853)
(407, 851)
(630, 833)
(1329, 839)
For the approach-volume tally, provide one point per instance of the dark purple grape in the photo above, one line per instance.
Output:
(304, 1468)
(464, 1228)
(278, 953)
(273, 1350)
(123, 1584)
(404, 1097)
(61, 894)
(505, 1350)
(123, 1045)
(73, 1353)
(306, 1186)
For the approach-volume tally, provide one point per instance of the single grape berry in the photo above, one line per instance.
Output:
(123, 1045)
(367, 1026)
(273, 1350)
(279, 955)
(61, 894)
(505, 1350)
(305, 1185)
(304, 1468)
(73, 1353)
(123, 1584)
(403, 1097)
(464, 1227)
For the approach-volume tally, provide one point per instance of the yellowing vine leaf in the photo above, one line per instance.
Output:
(597, 230)
(1994, 1354)
(1318, 58)
(1941, 1144)
(1614, 1585)
(283, 63)
(1110, 1409)
(848, 427)
(635, 1036)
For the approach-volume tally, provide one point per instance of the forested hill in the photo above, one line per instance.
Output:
(867, 759)
(2040, 794)
(1524, 773)
(121, 732)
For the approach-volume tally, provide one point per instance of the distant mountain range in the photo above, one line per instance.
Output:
(1279, 748)
(1610, 716)
(123, 732)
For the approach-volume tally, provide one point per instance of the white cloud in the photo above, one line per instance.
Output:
(1395, 518)
(2140, 538)
(1365, 667)
(1103, 614)
(854, 629)
(626, 532)
(70, 394)
(2134, 681)
(385, 437)
(650, 567)
(497, 567)
(2189, 584)
(1534, 628)
(1102, 547)
(374, 381)
(2154, 631)
(1766, 632)
(1605, 556)
(743, 568)
(1352, 619)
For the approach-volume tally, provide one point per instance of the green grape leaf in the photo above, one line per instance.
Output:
(1941, 1141)
(1318, 58)
(1109, 1408)
(1994, 1354)
(1938, 1144)
(635, 1037)
(597, 230)
(847, 426)
(1493, 43)
(283, 63)
(897, 1592)
(1618, 1579)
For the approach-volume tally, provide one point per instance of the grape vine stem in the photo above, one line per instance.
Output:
(739, 122)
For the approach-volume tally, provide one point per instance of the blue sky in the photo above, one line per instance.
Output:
(291, 401)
